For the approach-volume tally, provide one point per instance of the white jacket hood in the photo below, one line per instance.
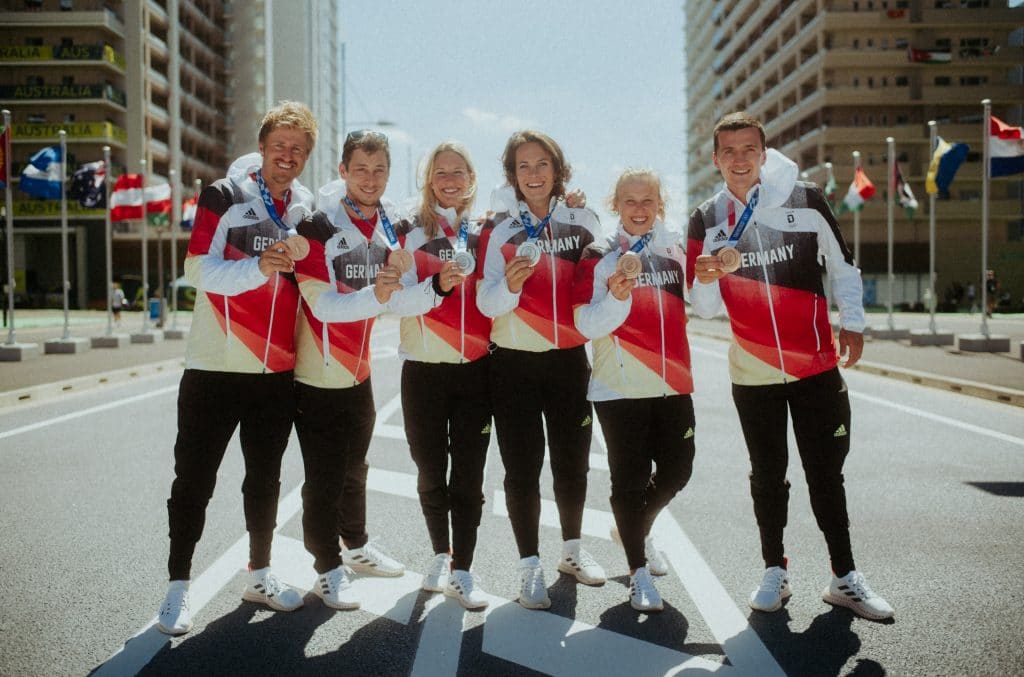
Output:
(301, 204)
(778, 178)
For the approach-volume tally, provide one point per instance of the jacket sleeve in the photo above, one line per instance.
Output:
(328, 304)
(843, 275)
(493, 296)
(414, 298)
(601, 313)
(705, 299)
(205, 266)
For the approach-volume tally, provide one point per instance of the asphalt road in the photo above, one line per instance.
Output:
(936, 491)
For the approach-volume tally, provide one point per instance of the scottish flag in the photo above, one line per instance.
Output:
(41, 177)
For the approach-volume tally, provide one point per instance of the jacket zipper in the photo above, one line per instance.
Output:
(554, 285)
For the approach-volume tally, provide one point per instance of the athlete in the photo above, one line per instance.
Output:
(346, 281)
(240, 354)
(446, 399)
(539, 368)
(630, 303)
(769, 230)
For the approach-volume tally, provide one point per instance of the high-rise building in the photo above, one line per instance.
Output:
(829, 77)
(179, 84)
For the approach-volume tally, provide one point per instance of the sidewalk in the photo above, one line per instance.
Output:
(996, 376)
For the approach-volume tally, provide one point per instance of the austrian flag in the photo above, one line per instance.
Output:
(1006, 148)
(126, 200)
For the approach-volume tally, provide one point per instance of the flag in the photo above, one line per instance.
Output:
(88, 185)
(126, 201)
(905, 195)
(41, 178)
(946, 159)
(188, 212)
(861, 190)
(929, 55)
(830, 190)
(1006, 148)
(5, 133)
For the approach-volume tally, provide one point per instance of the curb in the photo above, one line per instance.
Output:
(964, 387)
(49, 391)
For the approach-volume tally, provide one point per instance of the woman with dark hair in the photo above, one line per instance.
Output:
(445, 395)
(539, 368)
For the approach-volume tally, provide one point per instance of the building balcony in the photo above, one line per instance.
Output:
(87, 14)
(61, 55)
(36, 94)
(969, 18)
(158, 15)
(106, 132)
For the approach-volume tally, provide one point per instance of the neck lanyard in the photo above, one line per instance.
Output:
(389, 230)
(744, 218)
(639, 244)
(268, 200)
(524, 216)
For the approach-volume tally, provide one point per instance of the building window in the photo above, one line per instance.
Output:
(871, 82)
(34, 42)
(68, 80)
(973, 80)
(33, 81)
(36, 118)
(856, 43)
(902, 119)
(885, 81)
(901, 81)
(871, 42)
(942, 81)
(902, 43)
(856, 82)
(67, 42)
(943, 43)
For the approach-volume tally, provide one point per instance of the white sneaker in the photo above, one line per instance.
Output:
(643, 596)
(265, 588)
(533, 593)
(335, 589)
(465, 587)
(579, 563)
(852, 591)
(773, 589)
(175, 617)
(437, 574)
(657, 565)
(371, 560)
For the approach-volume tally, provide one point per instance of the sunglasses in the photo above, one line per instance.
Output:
(360, 134)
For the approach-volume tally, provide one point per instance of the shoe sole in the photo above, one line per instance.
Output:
(573, 571)
(430, 588)
(269, 601)
(638, 607)
(341, 606)
(375, 571)
(828, 598)
(786, 595)
(544, 604)
(465, 604)
(658, 571)
(169, 631)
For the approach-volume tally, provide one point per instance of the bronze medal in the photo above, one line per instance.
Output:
(630, 265)
(730, 259)
(400, 259)
(297, 247)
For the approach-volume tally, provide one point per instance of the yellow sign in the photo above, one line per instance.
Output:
(26, 52)
(50, 209)
(61, 52)
(75, 130)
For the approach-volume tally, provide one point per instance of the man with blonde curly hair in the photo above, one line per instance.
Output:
(240, 357)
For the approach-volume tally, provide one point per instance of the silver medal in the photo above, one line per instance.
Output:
(530, 250)
(466, 261)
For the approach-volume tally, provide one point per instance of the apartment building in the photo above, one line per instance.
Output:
(829, 77)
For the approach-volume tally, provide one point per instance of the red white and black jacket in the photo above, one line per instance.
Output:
(337, 284)
(540, 317)
(243, 321)
(640, 346)
(434, 328)
(776, 300)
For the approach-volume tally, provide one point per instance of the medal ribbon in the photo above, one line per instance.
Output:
(744, 218)
(639, 244)
(463, 240)
(389, 230)
(268, 200)
(532, 234)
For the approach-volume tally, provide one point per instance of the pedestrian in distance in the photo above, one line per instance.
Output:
(346, 281)
(117, 302)
(754, 247)
(539, 368)
(240, 354)
(629, 295)
(991, 291)
(446, 401)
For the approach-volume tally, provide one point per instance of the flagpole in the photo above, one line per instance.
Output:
(8, 201)
(856, 215)
(108, 243)
(932, 133)
(890, 207)
(986, 134)
(64, 229)
(145, 244)
(175, 211)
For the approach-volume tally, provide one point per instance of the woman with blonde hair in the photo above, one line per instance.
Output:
(629, 302)
(444, 344)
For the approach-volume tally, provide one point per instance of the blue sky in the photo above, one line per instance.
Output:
(604, 80)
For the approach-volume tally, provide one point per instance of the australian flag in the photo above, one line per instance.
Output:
(88, 185)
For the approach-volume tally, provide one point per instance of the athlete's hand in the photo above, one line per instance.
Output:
(851, 345)
(575, 199)
(708, 268)
(620, 286)
(450, 276)
(387, 283)
(276, 260)
(517, 271)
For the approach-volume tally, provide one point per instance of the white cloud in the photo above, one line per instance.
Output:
(505, 123)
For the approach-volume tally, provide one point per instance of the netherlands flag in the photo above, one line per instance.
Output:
(1006, 148)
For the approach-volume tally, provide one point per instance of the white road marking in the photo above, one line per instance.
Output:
(963, 425)
(440, 638)
(87, 412)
